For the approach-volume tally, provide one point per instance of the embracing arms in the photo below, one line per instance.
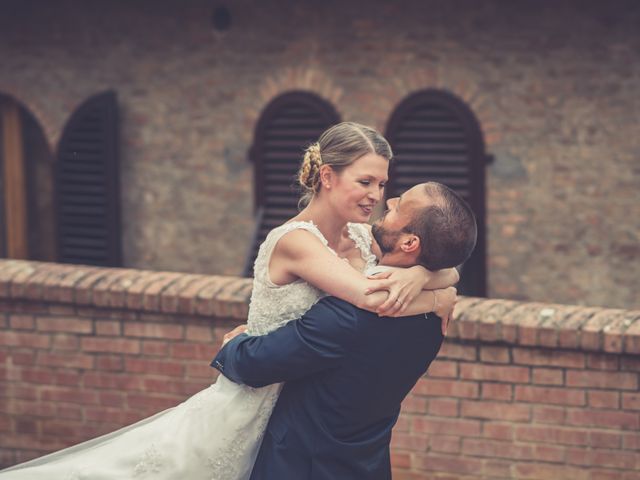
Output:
(315, 342)
(302, 255)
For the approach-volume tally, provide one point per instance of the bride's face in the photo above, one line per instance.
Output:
(356, 190)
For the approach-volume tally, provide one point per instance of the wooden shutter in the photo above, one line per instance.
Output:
(87, 185)
(435, 137)
(286, 127)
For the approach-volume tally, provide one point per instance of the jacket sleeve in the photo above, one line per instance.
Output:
(315, 342)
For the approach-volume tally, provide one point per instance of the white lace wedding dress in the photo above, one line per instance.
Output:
(215, 434)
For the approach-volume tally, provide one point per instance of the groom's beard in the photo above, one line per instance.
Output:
(386, 239)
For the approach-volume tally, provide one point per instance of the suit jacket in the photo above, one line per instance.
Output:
(346, 372)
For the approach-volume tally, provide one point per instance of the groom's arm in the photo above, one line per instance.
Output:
(315, 342)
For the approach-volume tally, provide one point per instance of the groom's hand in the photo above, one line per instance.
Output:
(240, 329)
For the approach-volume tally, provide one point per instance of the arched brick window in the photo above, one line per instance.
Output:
(286, 127)
(27, 228)
(436, 137)
(87, 185)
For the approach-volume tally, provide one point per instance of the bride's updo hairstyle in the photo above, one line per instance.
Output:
(339, 146)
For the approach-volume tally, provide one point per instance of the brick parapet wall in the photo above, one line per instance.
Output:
(519, 390)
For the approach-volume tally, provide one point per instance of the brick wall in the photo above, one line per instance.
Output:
(520, 390)
(554, 85)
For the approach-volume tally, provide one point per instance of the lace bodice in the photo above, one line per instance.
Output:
(272, 306)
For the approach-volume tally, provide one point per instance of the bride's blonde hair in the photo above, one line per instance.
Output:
(339, 146)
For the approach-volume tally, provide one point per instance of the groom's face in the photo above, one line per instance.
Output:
(388, 230)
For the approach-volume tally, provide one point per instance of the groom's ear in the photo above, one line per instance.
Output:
(410, 243)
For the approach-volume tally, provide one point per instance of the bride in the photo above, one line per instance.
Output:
(324, 250)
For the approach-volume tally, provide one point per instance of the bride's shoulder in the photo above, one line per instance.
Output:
(297, 239)
(361, 234)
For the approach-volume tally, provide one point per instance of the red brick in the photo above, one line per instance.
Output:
(111, 399)
(157, 367)
(66, 378)
(110, 345)
(551, 358)
(540, 471)
(37, 375)
(501, 373)
(494, 354)
(579, 456)
(112, 363)
(105, 380)
(605, 439)
(22, 322)
(400, 460)
(23, 357)
(104, 415)
(604, 399)
(69, 395)
(443, 369)
(193, 351)
(552, 435)
(405, 441)
(444, 407)
(198, 370)
(496, 391)
(201, 334)
(610, 380)
(631, 441)
(601, 361)
(556, 396)
(495, 410)
(495, 469)
(25, 426)
(603, 418)
(547, 376)
(497, 431)
(549, 453)
(414, 404)
(446, 388)
(153, 330)
(24, 339)
(463, 427)
(623, 460)
(64, 342)
(108, 327)
(496, 449)
(75, 360)
(155, 348)
(630, 363)
(451, 464)
(66, 325)
(72, 412)
(456, 351)
(151, 402)
(444, 443)
(631, 401)
(553, 415)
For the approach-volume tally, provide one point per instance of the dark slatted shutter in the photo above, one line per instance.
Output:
(87, 185)
(435, 137)
(286, 127)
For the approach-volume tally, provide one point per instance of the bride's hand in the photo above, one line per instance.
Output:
(445, 302)
(240, 329)
(403, 285)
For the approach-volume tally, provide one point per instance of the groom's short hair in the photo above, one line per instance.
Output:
(447, 228)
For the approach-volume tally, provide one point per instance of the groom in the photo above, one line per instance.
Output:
(347, 370)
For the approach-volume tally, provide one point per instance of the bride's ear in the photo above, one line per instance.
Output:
(326, 176)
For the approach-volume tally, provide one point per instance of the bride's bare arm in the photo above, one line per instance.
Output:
(300, 254)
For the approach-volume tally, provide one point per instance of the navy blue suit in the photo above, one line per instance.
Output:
(346, 372)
